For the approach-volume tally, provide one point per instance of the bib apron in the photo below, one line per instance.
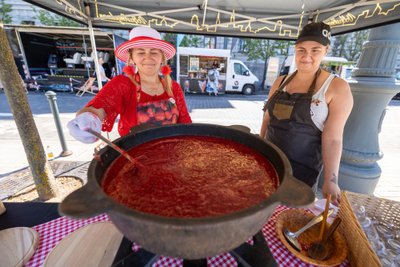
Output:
(293, 131)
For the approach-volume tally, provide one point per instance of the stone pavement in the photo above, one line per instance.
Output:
(222, 109)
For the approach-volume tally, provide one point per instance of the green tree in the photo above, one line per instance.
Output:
(263, 49)
(355, 44)
(349, 45)
(5, 10)
(49, 19)
(191, 41)
(339, 44)
(171, 38)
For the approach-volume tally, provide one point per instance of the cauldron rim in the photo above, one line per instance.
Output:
(185, 237)
(119, 207)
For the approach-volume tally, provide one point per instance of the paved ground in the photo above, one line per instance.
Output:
(223, 109)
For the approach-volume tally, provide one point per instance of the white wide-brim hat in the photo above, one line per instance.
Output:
(144, 37)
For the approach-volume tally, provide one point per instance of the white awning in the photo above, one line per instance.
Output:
(245, 18)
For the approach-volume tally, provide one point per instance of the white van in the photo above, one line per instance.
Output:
(194, 63)
(240, 78)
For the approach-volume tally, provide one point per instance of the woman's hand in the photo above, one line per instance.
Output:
(78, 126)
(330, 187)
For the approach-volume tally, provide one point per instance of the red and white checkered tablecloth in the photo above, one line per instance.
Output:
(52, 232)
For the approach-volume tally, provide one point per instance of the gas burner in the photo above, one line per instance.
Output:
(246, 255)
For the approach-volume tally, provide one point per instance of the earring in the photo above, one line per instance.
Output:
(166, 70)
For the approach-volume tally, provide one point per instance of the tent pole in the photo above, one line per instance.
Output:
(86, 54)
(93, 43)
(21, 48)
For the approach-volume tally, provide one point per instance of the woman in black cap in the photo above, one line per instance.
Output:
(307, 110)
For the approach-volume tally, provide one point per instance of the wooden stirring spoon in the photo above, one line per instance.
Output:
(117, 148)
(321, 250)
(323, 224)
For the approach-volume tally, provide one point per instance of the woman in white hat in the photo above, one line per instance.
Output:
(307, 110)
(146, 93)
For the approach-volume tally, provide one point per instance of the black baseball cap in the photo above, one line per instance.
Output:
(315, 31)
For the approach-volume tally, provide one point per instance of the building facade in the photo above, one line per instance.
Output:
(23, 13)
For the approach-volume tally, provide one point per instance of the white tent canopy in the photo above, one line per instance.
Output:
(246, 18)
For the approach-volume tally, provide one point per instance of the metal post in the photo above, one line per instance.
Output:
(52, 97)
(71, 86)
(373, 86)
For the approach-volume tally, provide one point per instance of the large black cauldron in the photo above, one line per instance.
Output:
(185, 237)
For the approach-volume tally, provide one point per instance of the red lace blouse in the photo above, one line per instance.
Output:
(118, 97)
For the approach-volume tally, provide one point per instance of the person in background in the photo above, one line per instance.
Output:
(104, 78)
(212, 83)
(146, 93)
(306, 113)
(202, 85)
(186, 88)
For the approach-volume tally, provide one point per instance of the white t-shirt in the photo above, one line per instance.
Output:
(215, 73)
(103, 74)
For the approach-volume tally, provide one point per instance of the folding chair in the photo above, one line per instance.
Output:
(72, 62)
(87, 87)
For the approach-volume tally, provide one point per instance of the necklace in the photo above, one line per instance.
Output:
(153, 90)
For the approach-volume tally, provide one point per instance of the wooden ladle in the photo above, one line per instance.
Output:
(117, 148)
(321, 250)
(323, 224)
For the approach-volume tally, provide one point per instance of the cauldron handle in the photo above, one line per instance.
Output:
(240, 128)
(294, 193)
(84, 203)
